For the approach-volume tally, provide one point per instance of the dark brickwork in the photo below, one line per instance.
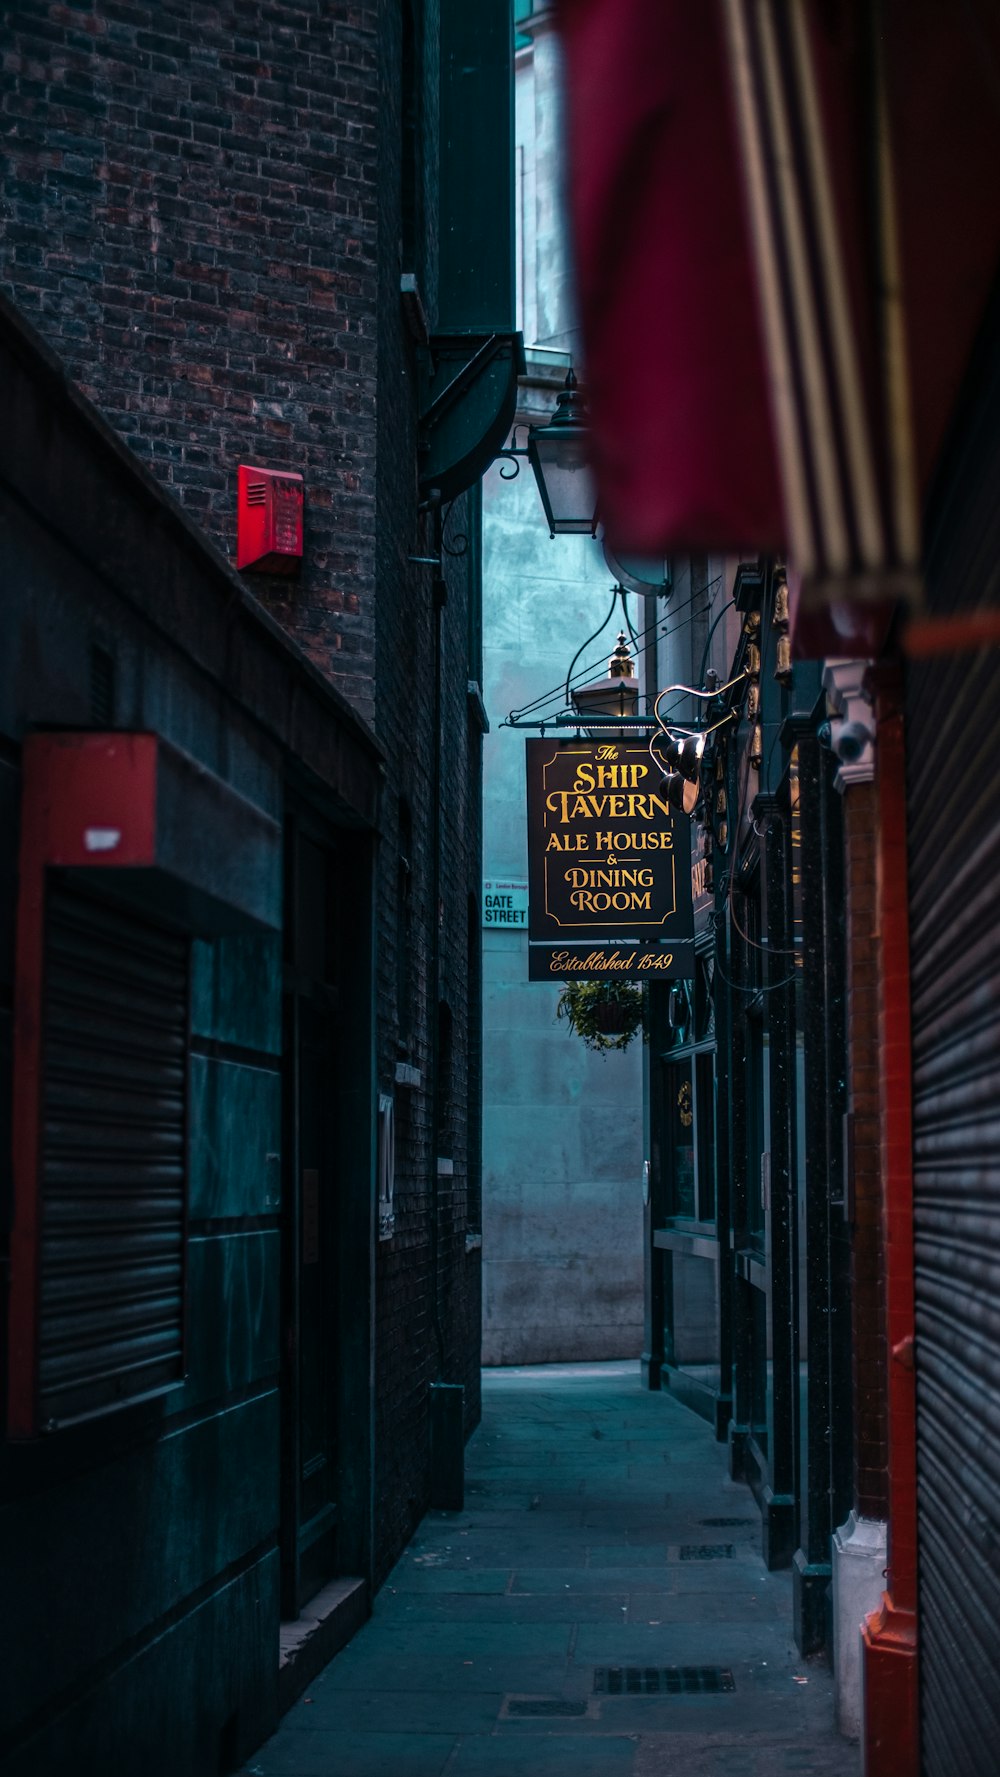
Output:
(190, 215)
(871, 1447)
(203, 215)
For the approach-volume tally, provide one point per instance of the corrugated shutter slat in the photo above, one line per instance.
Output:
(954, 868)
(112, 1157)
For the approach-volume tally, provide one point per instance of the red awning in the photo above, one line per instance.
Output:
(786, 225)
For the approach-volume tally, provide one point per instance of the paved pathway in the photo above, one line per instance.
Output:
(600, 1537)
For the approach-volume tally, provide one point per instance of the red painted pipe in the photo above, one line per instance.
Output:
(890, 1720)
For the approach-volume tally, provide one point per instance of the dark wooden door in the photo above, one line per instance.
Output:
(311, 1221)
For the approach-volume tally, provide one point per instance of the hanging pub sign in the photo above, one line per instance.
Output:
(609, 866)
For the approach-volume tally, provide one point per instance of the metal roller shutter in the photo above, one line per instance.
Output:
(953, 743)
(112, 1162)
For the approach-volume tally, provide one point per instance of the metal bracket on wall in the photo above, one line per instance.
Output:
(468, 397)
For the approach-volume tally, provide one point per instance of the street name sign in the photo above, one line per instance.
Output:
(505, 903)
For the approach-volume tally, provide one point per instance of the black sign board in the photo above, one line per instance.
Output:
(609, 865)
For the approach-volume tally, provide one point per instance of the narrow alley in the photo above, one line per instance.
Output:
(599, 1609)
(499, 951)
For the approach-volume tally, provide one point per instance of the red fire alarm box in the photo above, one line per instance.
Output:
(269, 520)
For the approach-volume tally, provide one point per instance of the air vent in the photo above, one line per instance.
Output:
(256, 493)
(659, 1681)
(706, 1552)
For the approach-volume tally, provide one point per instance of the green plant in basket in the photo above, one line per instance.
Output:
(604, 1014)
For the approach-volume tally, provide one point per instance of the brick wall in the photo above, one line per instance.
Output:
(868, 1295)
(190, 216)
(203, 216)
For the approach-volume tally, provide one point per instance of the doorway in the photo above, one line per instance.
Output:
(312, 1392)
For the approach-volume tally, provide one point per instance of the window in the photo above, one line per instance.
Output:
(681, 1138)
(705, 1116)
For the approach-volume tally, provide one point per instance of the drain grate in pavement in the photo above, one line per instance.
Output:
(658, 1681)
(706, 1552)
(544, 1706)
(727, 1523)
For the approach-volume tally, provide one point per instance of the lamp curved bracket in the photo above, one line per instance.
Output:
(514, 456)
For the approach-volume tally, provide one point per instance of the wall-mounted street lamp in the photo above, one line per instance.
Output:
(558, 453)
(615, 696)
(681, 757)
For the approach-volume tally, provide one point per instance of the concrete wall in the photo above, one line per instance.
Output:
(562, 1128)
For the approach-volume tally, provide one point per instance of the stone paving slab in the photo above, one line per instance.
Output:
(517, 1607)
(479, 1660)
(445, 1579)
(558, 1756)
(398, 1712)
(379, 1668)
(712, 1607)
(318, 1754)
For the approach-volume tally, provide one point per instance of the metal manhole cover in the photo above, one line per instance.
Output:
(706, 1552)
(543, 1706)
(658, 1681)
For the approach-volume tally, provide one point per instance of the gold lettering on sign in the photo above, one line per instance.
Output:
(635, 841)
(609, 777)
(614, 962)
(570, 806)
(608, 841)
(603, 891)
(569, 842)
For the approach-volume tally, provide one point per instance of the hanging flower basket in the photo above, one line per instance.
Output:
(604, 1014)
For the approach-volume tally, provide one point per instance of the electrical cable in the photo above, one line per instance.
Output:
(708, 638)
(586, 644)
(628, 619)
(765, 949)
(669, 629)
(737, 987)
(547, 696)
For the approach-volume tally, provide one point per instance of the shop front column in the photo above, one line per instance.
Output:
(890, 1729)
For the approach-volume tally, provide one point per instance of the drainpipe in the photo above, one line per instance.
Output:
(447, 1403)
(440, 597)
